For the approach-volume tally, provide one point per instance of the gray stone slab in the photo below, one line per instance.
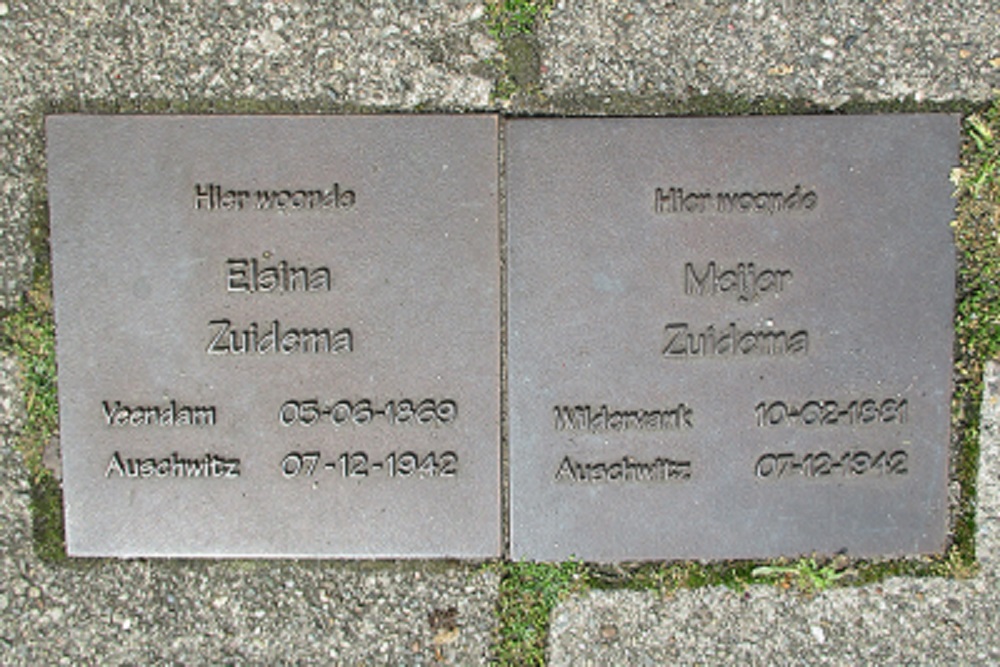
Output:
(729, 338)
(277, 336)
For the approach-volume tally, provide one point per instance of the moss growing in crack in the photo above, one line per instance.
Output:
(513, 23)
(47, 529)
(528, 594)
(29, 333)
(516, 17)
(155, 105)
(977, 319)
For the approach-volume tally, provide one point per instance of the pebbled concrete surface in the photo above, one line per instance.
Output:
(899, 621)
(826, 52)
(436, 55)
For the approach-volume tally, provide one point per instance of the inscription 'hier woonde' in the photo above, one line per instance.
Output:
(679, 200)
(214, 197)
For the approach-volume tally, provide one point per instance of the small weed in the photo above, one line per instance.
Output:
(528, 594)
(983, 130)
(30, 333)
(516, 17)
(504, 88)
(805, 574)
(513, 23)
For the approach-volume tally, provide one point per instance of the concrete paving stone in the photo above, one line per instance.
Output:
(826, 52)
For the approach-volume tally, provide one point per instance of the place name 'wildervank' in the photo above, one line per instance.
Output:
(626, 469)
(730, 341)
(277, 339)
(171, 414)
(597, 419)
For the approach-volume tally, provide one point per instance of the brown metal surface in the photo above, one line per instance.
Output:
(277, 336)
(729, 338)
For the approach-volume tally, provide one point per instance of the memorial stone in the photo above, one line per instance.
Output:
(277, 336)
(729, 338)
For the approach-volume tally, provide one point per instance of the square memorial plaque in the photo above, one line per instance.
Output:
(277, 336)
(729, 338)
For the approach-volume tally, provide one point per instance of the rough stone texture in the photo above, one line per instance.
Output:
(827, 52)
(900, 621)
(988, 482)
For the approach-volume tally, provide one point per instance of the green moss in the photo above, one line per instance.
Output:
(524, 62)
(669, 577)
(528, 593)
(977, 317)
(30, 334)
(513, 23)
(516, 17)
(208, 106)
(47, 519)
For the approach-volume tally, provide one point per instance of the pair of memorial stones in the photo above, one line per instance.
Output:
(283, 336)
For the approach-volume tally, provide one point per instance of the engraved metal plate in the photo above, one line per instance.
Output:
(729, 338)
(277, 336)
